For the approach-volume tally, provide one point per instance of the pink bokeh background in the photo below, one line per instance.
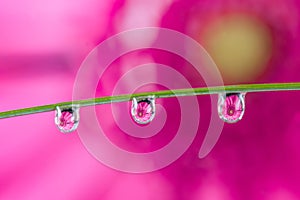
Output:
(42, 45)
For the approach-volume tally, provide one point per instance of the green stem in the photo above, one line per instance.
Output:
(158, 94)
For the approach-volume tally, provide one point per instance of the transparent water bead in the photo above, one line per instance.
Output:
(143, 109)
(231, 107)
(67, 118)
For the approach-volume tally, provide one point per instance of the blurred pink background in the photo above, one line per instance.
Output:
(42, 44)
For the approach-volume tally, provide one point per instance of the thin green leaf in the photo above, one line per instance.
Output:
(267, 87)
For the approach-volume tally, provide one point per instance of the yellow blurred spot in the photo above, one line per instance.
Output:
(240, 46)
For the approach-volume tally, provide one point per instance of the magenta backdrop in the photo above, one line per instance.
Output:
(42, 44)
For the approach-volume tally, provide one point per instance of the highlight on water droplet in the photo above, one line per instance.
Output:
(231, 107)
(143, 109)
(67, 118)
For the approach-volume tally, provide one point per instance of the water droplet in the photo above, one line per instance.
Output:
(67, 118)
(143, 109)
(231, 107)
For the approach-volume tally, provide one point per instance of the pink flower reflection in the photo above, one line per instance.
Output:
(231, 107)
(143, 110)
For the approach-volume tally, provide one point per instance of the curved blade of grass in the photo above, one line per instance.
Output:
(265, 87)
